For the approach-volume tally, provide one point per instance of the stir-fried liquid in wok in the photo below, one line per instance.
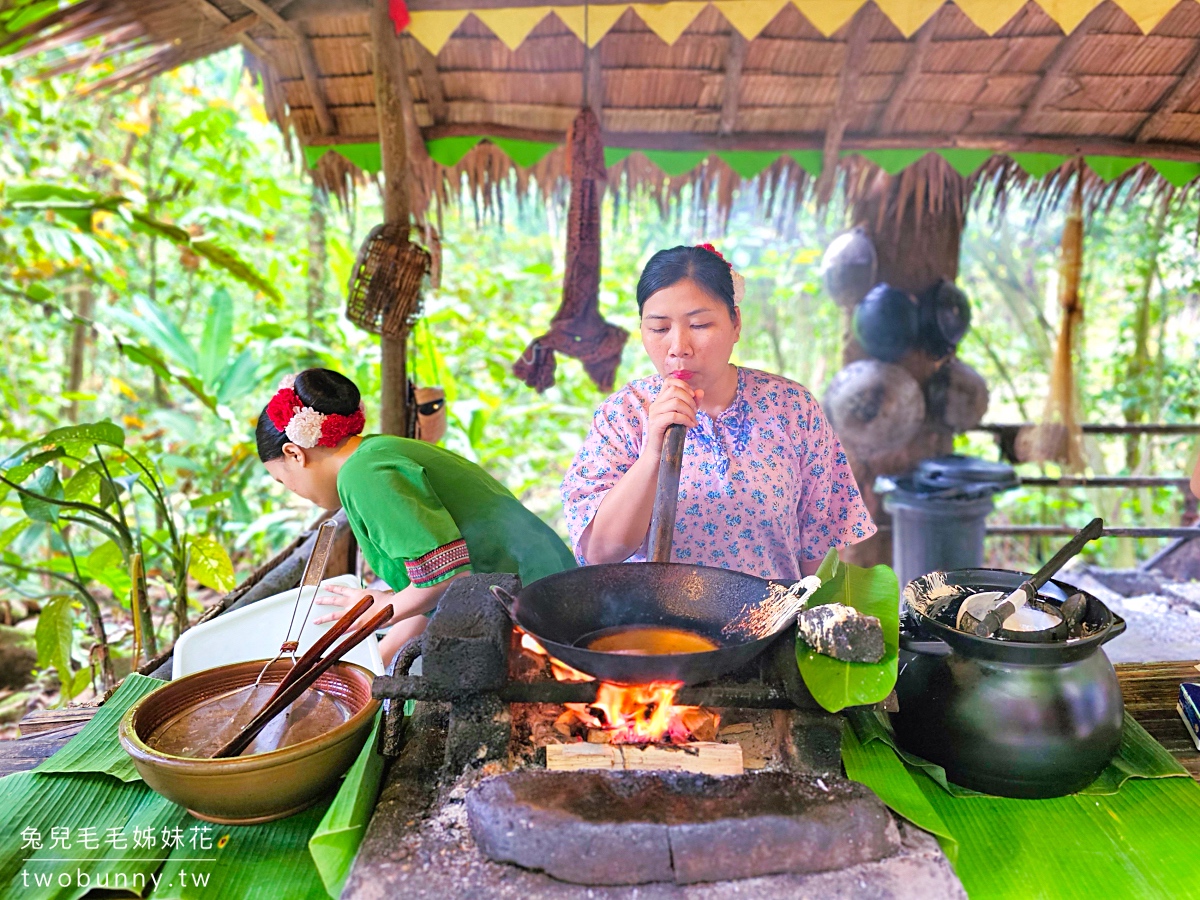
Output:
(202, 730)
(647, 640)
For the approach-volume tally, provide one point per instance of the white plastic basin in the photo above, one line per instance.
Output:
(257, 630)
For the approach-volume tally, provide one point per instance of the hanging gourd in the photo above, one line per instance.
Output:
(578, 329)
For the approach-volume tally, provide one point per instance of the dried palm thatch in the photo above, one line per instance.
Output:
(1106, 89)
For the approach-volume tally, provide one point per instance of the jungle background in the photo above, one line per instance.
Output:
(164, 261)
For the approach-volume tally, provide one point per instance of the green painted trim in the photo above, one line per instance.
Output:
(450, 151)
(676, 162)
(614, 155)
(523, 153)
(891, 161)
(1038, 165)
(1175, 172)
(750, 163)
(366, 156)
(811, 161)
(965, 162)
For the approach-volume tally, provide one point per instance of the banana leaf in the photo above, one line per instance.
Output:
(249, 862)
(97, 817)
(96, 748)
(1139, 756)
(335, 843)
(834, 683)
(1139, 841)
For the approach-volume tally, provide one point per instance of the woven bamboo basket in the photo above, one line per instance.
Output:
(385, 288)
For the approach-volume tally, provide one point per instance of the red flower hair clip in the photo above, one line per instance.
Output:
(306, 427)
(739, 283)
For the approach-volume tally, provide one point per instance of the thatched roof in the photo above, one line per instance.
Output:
(718, 92)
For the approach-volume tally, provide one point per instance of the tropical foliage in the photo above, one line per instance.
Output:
(164, 260)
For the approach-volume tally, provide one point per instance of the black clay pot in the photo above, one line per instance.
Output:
(1014, 719)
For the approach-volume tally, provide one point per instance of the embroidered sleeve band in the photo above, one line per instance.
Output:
(435, 565)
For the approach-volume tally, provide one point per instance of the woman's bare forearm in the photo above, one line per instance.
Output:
(623, 519)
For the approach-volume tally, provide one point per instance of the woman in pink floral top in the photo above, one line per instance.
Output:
(766, 487)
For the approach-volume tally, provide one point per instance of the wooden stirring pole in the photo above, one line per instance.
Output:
(300, 683)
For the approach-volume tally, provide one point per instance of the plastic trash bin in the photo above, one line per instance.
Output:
(939, 513)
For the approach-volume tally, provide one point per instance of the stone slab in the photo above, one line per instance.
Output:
(604, 828)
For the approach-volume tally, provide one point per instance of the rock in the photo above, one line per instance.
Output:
(18, 656)
(842, 632)
(632, 828)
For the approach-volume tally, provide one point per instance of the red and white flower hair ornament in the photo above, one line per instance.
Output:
(739, 282)
(306, 427)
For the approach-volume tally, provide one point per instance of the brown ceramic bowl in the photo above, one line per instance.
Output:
(261, 787)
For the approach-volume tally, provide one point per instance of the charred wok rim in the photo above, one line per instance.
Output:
(140, 751)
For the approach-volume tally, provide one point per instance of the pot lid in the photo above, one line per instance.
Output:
(943, 472)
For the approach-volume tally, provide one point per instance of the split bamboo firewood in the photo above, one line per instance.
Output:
(703, 758)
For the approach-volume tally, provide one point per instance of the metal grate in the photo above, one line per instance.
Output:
(385, 289)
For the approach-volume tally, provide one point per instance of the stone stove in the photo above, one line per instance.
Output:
(467, 786)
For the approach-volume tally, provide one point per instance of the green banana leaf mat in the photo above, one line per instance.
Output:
(1134, 832)
(84, 820)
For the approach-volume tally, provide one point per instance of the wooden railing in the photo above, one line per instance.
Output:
(1006, 437)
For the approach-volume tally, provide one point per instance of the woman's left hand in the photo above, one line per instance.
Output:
(347, 597)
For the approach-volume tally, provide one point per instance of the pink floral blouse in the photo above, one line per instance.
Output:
(766, 488)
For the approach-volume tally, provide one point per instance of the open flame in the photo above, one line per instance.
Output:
(628, 714)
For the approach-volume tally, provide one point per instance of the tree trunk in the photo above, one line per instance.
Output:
(317, 206)
(1139, 364)
(80, 338)
(391, 82)
(916, 245)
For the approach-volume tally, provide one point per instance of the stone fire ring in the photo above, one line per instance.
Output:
(608, 828)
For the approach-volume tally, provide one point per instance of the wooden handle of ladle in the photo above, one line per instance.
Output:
(1089, 532)
(666, 495)
(299, 685)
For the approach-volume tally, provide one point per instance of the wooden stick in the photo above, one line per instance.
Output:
(299, 685)
(325, 641)
(705, 758)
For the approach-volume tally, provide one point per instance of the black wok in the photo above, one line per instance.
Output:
(565, 610)
(562, 610)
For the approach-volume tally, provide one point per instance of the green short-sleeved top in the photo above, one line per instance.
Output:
(422, 514)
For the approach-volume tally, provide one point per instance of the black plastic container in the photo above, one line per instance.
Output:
(939, 513)
(1009, 718)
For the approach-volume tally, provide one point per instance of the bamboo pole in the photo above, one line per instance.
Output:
(390, 87)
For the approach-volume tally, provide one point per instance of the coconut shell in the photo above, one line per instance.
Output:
(875, 407)
(886, 322)
(848, 267)
(966, 397)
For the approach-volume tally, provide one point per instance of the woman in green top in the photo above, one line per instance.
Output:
(423, 516)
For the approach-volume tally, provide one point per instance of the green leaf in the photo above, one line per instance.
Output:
(226, 259)
(217, 337)
(210, 565)
(54, 635)
(107, 565)
(836, 684)
(44, 482)
(19, 473)
(12, 532)
(239, 378)
(84, 436)
(81, 682)
(212, 499)
(152, 322)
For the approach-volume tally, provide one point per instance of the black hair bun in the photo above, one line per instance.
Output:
(327, 391)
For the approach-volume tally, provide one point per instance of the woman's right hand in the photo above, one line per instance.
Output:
(674, 405)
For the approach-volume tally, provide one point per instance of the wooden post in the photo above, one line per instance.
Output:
(390, 88)
(915, 247)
